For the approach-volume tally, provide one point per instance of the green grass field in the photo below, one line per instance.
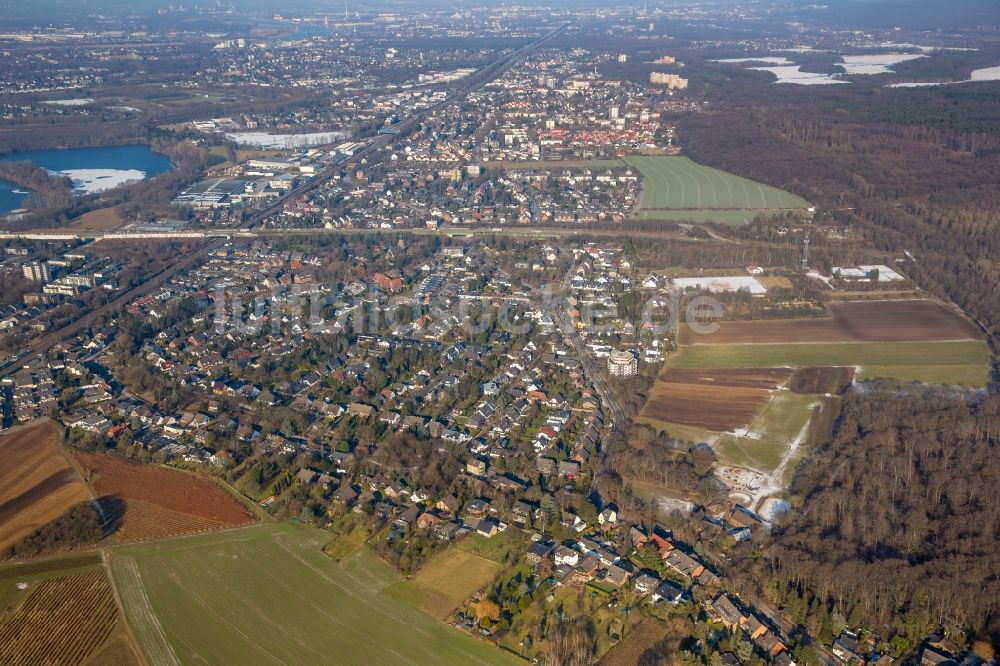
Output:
(268, 595)
(678, 430)
(497, 548)
(964, 362)
(446, 581)
(675, 188)
(770, 433)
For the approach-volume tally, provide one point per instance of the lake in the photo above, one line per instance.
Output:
(91, 169)
(11, 196)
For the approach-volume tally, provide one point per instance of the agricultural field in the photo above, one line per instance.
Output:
(446, 581)
(103, 219)
(37, 482)
(821, 380)
(767, 438)
(716, 400)
(676, 188)
(61, 616)
(963, 362)
(152, 502)
(852, 321)
(762, 393)
(268, 594)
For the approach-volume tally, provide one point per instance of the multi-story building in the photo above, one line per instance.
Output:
(39, 272)
(622, 364)
(671, 81)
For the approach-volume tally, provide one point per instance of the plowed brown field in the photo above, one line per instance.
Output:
(717, 400)
(822, 380)
(37, 482)
(154, 502)
(852, 321)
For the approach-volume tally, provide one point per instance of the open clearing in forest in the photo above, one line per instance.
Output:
(448, 579)
(37, 482)
(155, 502)
(268, 595)
(676, 188)
(854, 321)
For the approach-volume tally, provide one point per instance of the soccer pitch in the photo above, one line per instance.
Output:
(675, 188)
(268, 595)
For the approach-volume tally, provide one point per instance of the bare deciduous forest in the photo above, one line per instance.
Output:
(899, 517)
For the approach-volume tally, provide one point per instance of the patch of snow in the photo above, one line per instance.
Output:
(793, 74)
(876, 64)
(82, 101)
(985, 74)
(977, 75)
(772, 507)
(673, 505)
(91, 181)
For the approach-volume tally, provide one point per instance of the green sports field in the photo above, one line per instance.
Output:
(268, 595)
(675, 188)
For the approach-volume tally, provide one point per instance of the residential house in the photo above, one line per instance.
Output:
(539, 551)
(567, 556)
(669, 593)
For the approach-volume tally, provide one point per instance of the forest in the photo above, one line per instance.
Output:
(909, 170)
(896, 519)
(47, 191)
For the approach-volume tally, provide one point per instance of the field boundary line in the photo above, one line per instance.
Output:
(130, 636)
(158, 651)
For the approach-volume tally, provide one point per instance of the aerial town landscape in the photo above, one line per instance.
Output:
(653, 333)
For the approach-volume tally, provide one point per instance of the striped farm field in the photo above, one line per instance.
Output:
(268, 595)
(963, 362)
(37, 482)
(914, 320)
(152, 502)
(676, 188)
(55, 616)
